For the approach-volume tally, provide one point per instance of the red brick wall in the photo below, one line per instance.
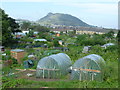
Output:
(18, 55)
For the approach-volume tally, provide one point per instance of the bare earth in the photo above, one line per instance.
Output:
(23, 75)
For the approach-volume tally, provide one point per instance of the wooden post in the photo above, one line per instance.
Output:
(80, 76)
(43, 73)
(86, 75)
(59, 74)
(54, 72)
(48, 73)
(92, 76)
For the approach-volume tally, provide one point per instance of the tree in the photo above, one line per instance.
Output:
(56, 44)
(86, 40)
(118, 38)
(81, 38)
(41, 28)
(41, 35)
(25, 25)
(110, 34)
(30, 34)
(9, 26)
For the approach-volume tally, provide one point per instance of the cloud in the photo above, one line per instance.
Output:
(105, 8)
(84, 1)
(25, 0)
(96, 12)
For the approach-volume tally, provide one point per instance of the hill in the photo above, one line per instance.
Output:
(62, 19)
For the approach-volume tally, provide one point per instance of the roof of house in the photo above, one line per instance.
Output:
(25, 31)
(58, 48)
(40, 40)
(60, 41)
(17, 50)
(29, 56)
(108, 44)
(20, 33)
(65, 48)
(35, 32)
(1, 46)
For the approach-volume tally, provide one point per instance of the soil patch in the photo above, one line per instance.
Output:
(23, 75)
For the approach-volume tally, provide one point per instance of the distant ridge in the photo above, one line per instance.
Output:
(62, 19)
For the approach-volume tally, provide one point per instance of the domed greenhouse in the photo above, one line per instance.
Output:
(53, 66)
(90, 67)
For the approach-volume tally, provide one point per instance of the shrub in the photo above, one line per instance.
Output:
(10, 82)
(112, 48)
(14, 61)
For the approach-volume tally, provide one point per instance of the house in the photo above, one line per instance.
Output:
(53, 38)
(60, 42)
(69, 43)
(58, 48)
(44, 46)
(57, 34)
(84, 32)
(4, 54)
(107, 45)
(35, 32)
(115, 35)
(67, 31)
(65, 49)
(41, 40)
(28, 64)
(18, 54)
(29, 46)
(56, 31)
(25, 32)
(19, 34)
(86, 49)
(31, 56)
(2, 49)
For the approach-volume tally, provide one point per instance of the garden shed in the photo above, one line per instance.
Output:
(2, 49)
(90, 67)
(86, 49)
(28, 63)
(107, 45)
(53, 66)
(18, 54)
(41, 40)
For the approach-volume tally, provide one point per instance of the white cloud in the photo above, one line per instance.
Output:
(95, 13)
(25, 0)
(104, 8)
(86, 1)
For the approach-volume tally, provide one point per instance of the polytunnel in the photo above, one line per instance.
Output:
(53, 66)
(90, 67)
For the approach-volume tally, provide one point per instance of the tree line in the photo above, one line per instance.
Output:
(9, 27)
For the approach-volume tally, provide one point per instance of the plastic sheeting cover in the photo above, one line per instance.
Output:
(88, 64)
(59, 61)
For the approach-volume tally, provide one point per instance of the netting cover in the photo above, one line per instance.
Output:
(91, 67)
(59, 61)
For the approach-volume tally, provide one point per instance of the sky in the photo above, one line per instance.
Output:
(101, 13)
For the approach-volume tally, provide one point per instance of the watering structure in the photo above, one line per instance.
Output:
(53, 66)
(90, 67)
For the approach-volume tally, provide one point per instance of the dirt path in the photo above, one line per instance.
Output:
(23, 75)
